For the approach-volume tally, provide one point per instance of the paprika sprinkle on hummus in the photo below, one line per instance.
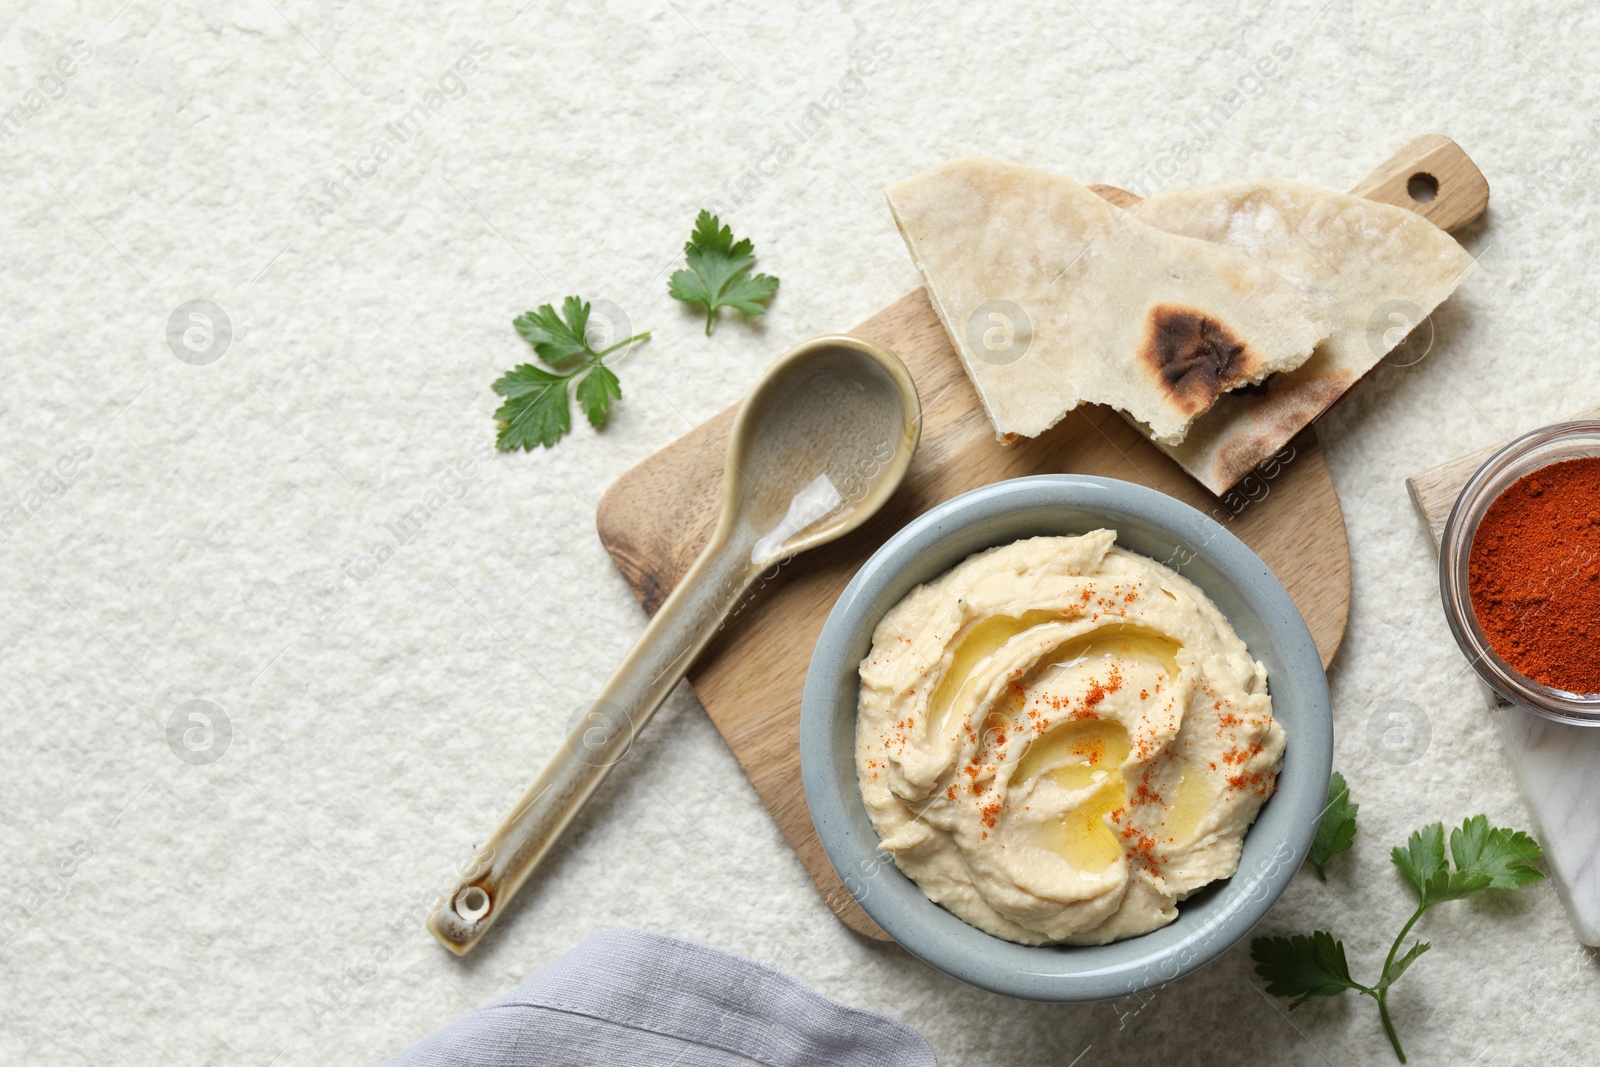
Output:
(1533, 575)
(1060, 740)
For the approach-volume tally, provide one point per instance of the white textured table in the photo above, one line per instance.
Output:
(236, 532)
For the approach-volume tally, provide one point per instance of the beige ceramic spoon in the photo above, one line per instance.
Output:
(820, 444)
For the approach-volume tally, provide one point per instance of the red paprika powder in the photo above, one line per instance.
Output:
(1534, 575)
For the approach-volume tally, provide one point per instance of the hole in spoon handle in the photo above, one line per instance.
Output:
(472, 904)
(463, 915)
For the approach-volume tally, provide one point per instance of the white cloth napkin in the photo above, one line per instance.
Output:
(637, 999)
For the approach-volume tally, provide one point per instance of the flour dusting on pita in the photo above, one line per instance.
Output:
(1054, 298)
(1374, 270)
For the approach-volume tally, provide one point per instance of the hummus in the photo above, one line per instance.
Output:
(1059, 740)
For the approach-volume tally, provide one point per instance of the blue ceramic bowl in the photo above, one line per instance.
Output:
(1157, 526)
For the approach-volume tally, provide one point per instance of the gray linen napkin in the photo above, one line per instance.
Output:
(638, 999)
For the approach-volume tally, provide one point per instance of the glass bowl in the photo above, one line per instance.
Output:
(1551, 444)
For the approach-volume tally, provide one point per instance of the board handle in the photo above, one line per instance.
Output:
(1432, 176)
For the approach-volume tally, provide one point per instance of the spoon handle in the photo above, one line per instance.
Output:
(601, 736)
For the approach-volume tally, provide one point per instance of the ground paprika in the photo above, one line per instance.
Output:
(1534, 575)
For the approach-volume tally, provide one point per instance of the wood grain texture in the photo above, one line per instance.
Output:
(1434, 491)
(655, 519)
(1462, 193)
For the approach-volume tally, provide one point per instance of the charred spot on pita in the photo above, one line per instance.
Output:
(1195, 357)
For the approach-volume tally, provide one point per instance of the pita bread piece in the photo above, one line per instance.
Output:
(1373, 269)
(1055, 298)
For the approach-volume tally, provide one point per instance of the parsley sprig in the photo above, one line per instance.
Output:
(537, 410)
(1484, 858)
(1337, 830)
(719, 272)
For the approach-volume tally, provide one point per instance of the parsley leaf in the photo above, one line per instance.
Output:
(1500, 859)
(557, 342)
(1398, 967)
(718, 274)
(538, 410)
(598, 388)
(1337, 830)
(535, 411)
(1505, 857)
(1422, 860)
(1303, 967)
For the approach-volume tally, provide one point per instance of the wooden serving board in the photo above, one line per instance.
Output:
(657, 517)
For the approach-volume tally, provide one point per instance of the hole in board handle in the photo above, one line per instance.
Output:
(472, 903)
(1422, 187)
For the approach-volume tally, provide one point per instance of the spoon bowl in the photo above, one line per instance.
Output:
(817, 448)
(823, 440)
